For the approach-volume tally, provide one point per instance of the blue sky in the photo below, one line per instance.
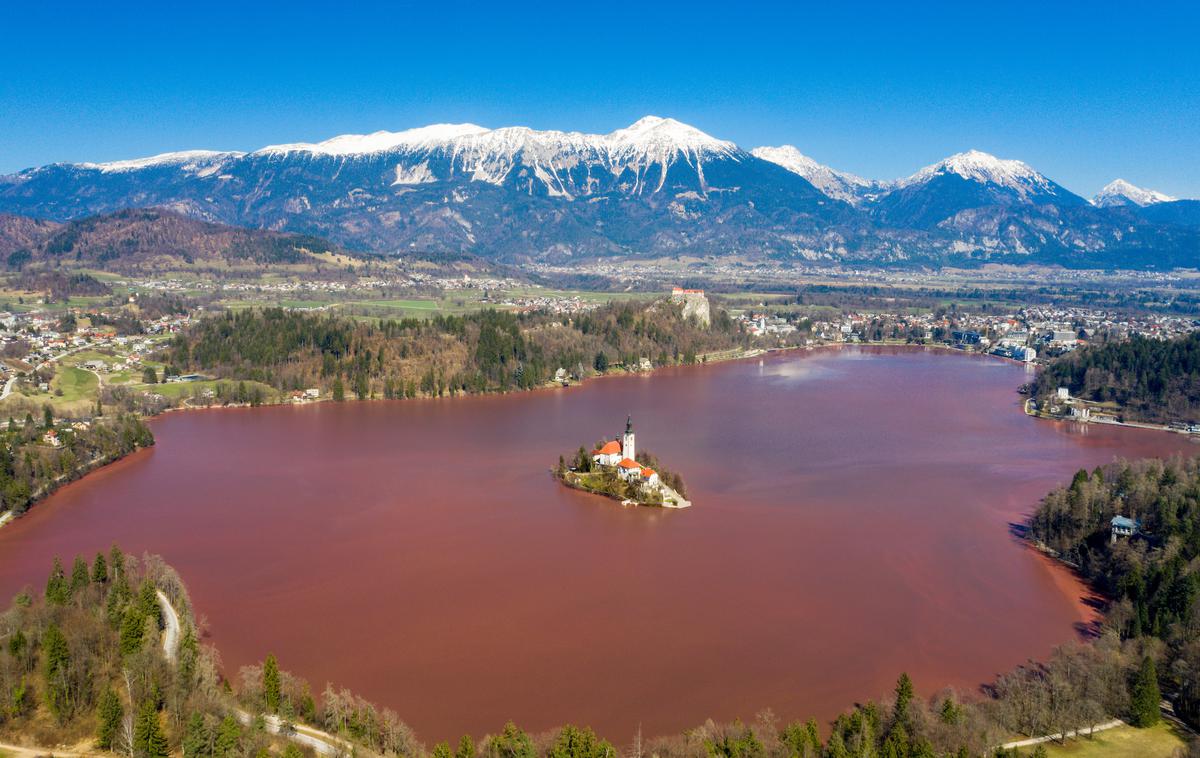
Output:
(1084, 92)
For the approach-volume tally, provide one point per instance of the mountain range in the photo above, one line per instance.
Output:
(657, 187)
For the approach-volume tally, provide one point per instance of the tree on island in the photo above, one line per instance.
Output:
(583, 461)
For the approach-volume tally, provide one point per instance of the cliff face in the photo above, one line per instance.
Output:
(695, 304)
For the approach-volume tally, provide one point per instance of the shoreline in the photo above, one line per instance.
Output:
(1144, 425)
(9, 517)
(678, 504)
(870, 352)
(64, 480)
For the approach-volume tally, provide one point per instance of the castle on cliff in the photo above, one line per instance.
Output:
(694, 304)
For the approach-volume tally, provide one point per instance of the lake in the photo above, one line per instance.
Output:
(851, 521)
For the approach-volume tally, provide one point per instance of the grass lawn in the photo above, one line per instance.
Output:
(1122, 742)
(75, 383)
(83, 356)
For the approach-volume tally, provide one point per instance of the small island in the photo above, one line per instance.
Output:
(615, 469)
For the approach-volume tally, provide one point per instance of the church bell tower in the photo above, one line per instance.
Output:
(627, 448)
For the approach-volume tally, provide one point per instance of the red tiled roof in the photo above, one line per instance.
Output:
(627, 464)
(610, 448)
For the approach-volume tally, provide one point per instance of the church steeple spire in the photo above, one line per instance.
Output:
(627, 448)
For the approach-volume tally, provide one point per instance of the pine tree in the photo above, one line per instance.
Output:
(80, 577)
(58, 591)
(148, 602)
(270, 684)
(904, 696)
(148, 738)
(100, 569)
(110, 713)
(189, 653)
(56, 660)
(441, 750)
(116, 562)
(133, 628)
(466, 747)
(197, 740)
(229, 735)
(512, 742)
(1145, 699)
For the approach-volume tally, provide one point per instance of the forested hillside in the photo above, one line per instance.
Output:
(479, 352)
(151, 239)
(1153, 578)
(1152, 380)
(39, 455)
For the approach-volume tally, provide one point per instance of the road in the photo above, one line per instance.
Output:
(322, 742)
(1060, 737)
(170, 638)
(8, 386)
(20, 751)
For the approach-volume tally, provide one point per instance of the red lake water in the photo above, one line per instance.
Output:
(851, 521)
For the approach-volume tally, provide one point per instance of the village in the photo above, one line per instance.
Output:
(1027, 334)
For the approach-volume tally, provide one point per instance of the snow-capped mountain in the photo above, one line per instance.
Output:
(840, 185)
(1119, 193)
(656, 187)
(195, 161)
(539, 162)
(965, 181)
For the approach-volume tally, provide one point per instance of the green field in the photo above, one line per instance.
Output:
(183, 389)
(75, 383)
(1122, 742)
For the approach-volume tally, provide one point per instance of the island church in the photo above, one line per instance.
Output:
(622, 453)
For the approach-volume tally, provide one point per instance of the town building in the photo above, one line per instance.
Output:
(1122, 526)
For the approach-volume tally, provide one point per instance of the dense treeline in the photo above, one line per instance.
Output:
(1152, 380)
(85, 659)
(480, 352)
(1153, 577)
(31, 467)
(60, 286)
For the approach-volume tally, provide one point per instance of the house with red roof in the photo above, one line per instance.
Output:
(620, 453)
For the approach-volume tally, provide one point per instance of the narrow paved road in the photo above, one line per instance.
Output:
(8, 386)
(170, 639)
(321, 742)
(1060, 737)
